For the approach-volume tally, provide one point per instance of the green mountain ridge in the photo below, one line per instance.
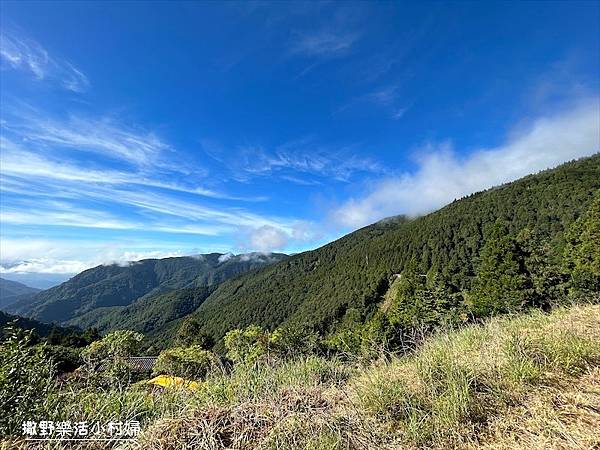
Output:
(148, 313)
(42, 329)
(347, 279)
(110, 287)
(11, 291)
(317, 288)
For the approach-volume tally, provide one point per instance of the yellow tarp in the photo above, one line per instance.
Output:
(168, 381)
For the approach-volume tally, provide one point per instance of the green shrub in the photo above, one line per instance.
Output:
(186, 362)
(105, 361)
(120, 343)
(247, 345)
(66, 359)
(293, 340)
(190, 333)
(26, 381)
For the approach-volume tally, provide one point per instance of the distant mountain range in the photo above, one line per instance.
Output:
(95, 291)
(38, 280)
(347, 278)
(10, 291)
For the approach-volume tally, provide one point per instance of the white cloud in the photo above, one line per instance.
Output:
(225, 257)
(296, 160)
(69, 257)
(385, 98)
(46, 192)
(104, 137)
(257, 256)
(21, 163)
(323, 43)
(399, 113)
(443, 175)
(267, 238)
(20, 53)
(63, 215)
(45, 265)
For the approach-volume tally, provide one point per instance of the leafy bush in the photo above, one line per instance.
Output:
(293, 340)
(252, 343)
(189, 333)
(105, 360)
(26, 381)
(66, 359)
(186, 362)
(248, 344)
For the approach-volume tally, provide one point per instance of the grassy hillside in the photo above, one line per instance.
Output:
(353, 273)
(522, 382)
(117, 286)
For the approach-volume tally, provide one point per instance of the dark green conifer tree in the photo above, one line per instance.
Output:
(582, 252)
(415, 303)
(189, 333)
(502, 281)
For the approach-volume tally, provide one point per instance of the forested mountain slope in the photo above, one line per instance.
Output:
(121, 285)
(318, 287)
(42, 329)
(147, 314)
(11, 290)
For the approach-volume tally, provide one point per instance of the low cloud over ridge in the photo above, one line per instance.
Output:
(442, 176)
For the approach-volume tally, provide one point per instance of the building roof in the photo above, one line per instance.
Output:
(141, 363)
(137, 363)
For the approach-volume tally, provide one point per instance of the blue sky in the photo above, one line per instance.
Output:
(134, 130)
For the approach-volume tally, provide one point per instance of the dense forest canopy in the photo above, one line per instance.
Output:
(90, 295)
(509, 247)
(353, 273)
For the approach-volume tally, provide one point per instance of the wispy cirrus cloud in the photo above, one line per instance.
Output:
(58, 147)
(339, 167)
(81, 173)
(334, 35)
(18, 162)
(65, 214)
(41, 191)
(304, 162)
(387, 98)
(154, 210)
(19, 52)
(323, 43)
(103, 136)
(443, 176)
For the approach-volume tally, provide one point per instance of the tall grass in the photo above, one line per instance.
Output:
(452, 387)
(526, 379)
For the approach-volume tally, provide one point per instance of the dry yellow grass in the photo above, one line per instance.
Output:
(524, 382)
(565, 416)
